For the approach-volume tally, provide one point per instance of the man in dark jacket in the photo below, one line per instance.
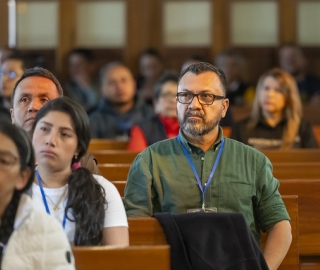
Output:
(120, 107)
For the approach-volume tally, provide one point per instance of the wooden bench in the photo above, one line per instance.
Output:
(294, 155)
(107, 144)
(122, 258)
(114, 172)
(148, 231)
(114, 156)
(120, 185)
(316, 131)
(308, 191)
(296, 170)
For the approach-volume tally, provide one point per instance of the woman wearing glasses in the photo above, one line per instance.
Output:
(29, 239)
(164, 124)
(276, 118)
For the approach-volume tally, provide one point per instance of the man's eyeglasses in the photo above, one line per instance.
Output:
(10, 74)
(203, 98)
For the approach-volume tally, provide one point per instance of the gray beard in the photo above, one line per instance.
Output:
(197, 127)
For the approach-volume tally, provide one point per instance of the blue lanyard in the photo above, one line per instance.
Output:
(203, 190)
(45, 200)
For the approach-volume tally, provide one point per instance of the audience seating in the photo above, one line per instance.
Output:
(147, 231)
(293, 155)
(308, 191)
(281, 170)
(114, 156)
(107, 144)
(120, 185)
(114, 172)
(296, 170)
(122, 258)
(316, 131)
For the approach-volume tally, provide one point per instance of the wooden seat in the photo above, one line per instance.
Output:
(296, 170)
(122, 258)
(293, 155)
(148, 231)
(308, 191)
(120, 185)
(114, 172)
(114, 156)
(316, 131)
(107, 144)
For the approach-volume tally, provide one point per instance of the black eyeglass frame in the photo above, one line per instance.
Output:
(215, 97)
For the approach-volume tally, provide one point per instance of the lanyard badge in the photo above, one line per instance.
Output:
(203, 190)
(64, 221)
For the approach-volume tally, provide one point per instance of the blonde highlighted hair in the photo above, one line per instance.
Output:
(292, 111)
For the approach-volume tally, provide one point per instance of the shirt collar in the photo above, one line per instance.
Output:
(194, 149)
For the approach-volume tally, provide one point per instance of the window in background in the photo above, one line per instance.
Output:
(37, 25)
(308, 23)
(187, 23)
(101, 24)
(254, 23)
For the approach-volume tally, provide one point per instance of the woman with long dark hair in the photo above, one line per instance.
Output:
(28, 236)
(88, 206)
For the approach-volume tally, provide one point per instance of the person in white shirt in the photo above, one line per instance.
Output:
(88, 206)
(29, 238)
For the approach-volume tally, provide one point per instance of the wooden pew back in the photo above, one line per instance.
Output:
(308, 191)
(148, 231)
(296, 170)
(120, 185)
(107, 144)
(294, 155)
(114, 172)
(122, 258)
(114, 156)
(316, 131)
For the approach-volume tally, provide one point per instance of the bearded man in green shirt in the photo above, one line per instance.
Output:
(201, 170)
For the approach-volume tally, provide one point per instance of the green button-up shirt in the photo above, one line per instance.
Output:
(161, 180)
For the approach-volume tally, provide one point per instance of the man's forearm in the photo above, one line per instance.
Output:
(277, 245)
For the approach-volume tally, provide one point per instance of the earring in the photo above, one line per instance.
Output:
(75, 156)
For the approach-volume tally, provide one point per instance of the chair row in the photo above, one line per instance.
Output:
(281, 170)
(122, 258)
(147, 231)
(113, 144)
(294, 155)
(149, 249)
(308, 191)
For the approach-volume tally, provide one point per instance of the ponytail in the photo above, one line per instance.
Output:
(86, 199)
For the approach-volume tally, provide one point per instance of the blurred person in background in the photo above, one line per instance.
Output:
(120, 107)
(151, 68)
(164, 124)
(276, 120)
(5, 52)
(32, 91)
(10, 72)
(238, 92)
(190, 61)
(82, 87)
(293, 60)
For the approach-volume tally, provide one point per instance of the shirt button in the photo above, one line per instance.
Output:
(202, 158)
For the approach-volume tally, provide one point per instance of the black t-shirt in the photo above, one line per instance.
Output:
(264, 136)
